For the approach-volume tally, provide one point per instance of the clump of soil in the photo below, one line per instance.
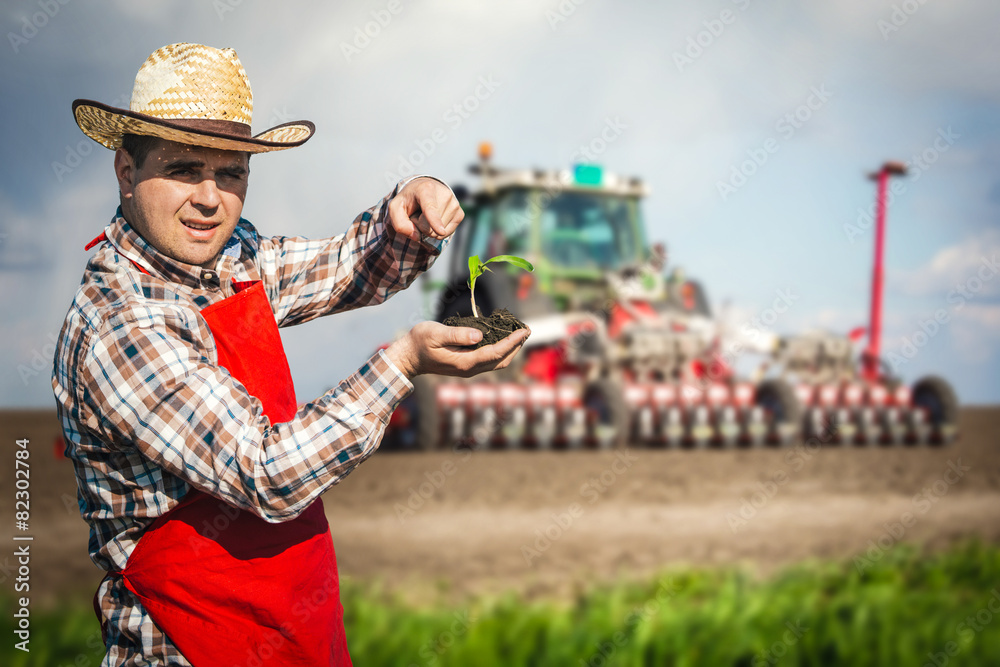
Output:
(500, 324)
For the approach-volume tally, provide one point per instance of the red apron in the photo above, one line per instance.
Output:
(227, 587)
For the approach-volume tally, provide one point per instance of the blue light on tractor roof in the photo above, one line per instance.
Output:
(587, 174)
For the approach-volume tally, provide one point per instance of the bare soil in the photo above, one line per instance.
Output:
(456, 523)
(500, 324)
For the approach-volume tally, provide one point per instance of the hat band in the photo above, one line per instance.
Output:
(230, 127)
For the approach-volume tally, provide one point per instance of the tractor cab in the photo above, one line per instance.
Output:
(583, 231)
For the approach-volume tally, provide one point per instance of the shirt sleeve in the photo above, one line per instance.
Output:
(364, 266)
(153, 385)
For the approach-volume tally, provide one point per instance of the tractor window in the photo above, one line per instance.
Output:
(502, 227)
(515, 224)
(482, 230)
(582, 230)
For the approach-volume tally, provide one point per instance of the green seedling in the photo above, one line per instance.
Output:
(478, 268)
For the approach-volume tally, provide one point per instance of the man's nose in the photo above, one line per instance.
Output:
(206, 194)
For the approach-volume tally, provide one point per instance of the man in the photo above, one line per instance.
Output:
(197, 471)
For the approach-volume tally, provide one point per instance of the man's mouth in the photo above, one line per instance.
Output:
(199, 225)
(201, 231)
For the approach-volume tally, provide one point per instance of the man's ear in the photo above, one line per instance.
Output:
(125, 172)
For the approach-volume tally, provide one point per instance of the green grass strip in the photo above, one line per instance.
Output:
(907, 608)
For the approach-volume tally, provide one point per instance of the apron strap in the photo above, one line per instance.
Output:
(100, 238)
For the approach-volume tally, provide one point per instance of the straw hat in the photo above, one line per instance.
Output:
(191, 94)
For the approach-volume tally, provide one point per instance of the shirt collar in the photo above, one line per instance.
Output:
(131, 245)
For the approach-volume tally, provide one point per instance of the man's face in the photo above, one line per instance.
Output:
(184, 200)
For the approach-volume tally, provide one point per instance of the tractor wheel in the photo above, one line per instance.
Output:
(423, 427)
(937, 399)
(607, 414)
(782, 410)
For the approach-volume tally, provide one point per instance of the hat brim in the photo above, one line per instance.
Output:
(106, 125)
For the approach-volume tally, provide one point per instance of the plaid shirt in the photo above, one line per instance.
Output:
(138, 388)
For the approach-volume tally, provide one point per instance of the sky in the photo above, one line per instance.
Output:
(754, 125)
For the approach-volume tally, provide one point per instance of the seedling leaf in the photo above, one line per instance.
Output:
(478, 268)
(516, 261)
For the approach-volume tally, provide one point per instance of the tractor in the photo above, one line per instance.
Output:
(624, 352)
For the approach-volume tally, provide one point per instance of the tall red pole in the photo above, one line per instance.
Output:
(874, 351)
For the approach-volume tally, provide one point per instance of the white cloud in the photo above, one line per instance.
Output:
(971, 264)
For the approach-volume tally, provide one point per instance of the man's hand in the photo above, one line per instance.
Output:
(425, 207)
(430, 347)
